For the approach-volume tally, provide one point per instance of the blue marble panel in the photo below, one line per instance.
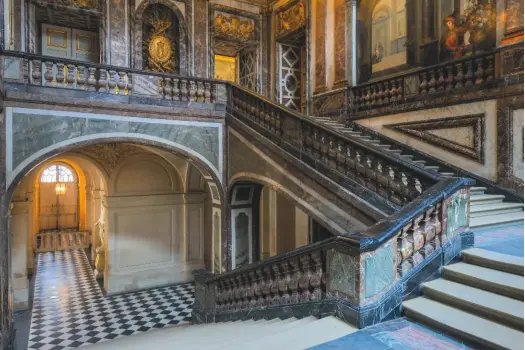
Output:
(36, 130)
(342, 269)
(379, 272)
(457, 213)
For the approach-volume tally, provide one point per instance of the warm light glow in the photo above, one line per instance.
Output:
(60, 188)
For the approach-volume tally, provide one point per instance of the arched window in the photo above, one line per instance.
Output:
(57, 173)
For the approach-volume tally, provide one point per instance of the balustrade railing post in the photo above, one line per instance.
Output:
(36, 72)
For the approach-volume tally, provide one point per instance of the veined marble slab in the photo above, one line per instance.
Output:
(33, 133)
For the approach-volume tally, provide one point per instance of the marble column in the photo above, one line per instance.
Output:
(340, 48)
(429, 46)
(201, 38)
(351, 43)
(118, 33)
(320, 45)
(6, 308)
(266, 40)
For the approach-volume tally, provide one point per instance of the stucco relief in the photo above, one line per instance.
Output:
(236, 27)
(291, 18)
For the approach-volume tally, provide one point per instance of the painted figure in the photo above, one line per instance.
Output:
(452, 40)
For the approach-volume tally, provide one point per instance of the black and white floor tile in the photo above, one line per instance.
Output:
(69, 309)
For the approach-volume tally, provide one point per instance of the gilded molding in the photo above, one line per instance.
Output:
(291, 19)
(421, 130)
(233, 26)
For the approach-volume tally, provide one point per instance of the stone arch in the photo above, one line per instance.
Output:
(70, 145)
(184, 35)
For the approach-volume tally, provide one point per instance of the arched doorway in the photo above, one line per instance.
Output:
(58, 207)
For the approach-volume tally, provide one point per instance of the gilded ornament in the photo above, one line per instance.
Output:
(235, 27)
(160, 49)
(292, 18)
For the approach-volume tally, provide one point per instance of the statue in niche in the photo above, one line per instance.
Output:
(378, 53)
(159, 47)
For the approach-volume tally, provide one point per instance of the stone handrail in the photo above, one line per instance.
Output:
(73, 74)
(397, 180)
(448, 76)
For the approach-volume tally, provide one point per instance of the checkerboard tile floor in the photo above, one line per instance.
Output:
(69, 309)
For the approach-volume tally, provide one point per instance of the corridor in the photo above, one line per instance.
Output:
(70, 310)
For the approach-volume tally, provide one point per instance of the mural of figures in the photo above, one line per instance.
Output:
(471, 31)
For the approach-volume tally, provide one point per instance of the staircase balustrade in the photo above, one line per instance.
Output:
(48, 241)
(457, 75)
(398, 181)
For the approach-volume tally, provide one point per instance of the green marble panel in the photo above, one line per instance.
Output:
(379, 271)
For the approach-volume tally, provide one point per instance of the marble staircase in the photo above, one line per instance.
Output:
(291, 333)
(479, 300)
(486, 210)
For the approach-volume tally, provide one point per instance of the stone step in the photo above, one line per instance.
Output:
(448, 174)
(486, 199)
(396, 151)
(386, 147)
(420, 162)
(492, 306)
(495, 208)
(466, 326)
(432, 167)
(315, 333)
(475, 190)
(494, 281)
(491, 220)
(493, 260)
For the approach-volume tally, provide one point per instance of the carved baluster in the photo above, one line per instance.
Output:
(379, 95)
(360, 167)
(469, 75)
(411, 191)
(122, 84)
(293, 284)
(489, 72)
(382, 178)
(450, 77)
(91, 80)
(250, 293)
(193, 91)
(276, 296)
(400, 85)
(304, 281)
(423, 86)
(207, 92)
(324, 147)
(317, 282)
(396, 186)
(479, 71)
(36, 72)
(373, 96)
(316, 143)
(167, 89)
(340, 157)
(308, 140)
(393, 91)
(350, 162)
(129, 85)
(112, 81)
(386, 93)
(184, 90)
(441, 80)
(175, 92)
(332, 153)
(458, 79)
(48, 75)
(367, 96)
(432, 83)
(266, 286)
(60, 77)
(278, 124)
(371, 172)
(82, 78)
(71, 76)
(200, 91)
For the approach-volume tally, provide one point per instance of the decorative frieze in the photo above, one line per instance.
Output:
(233, 26)
(291, 19)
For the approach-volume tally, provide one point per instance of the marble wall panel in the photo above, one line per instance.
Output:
(378, 269)
(340, 43)
(320, 45)
(518, 136)
(201, 38)
(488, 167)
(35, 132)
(343, 276)
(118, 33)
